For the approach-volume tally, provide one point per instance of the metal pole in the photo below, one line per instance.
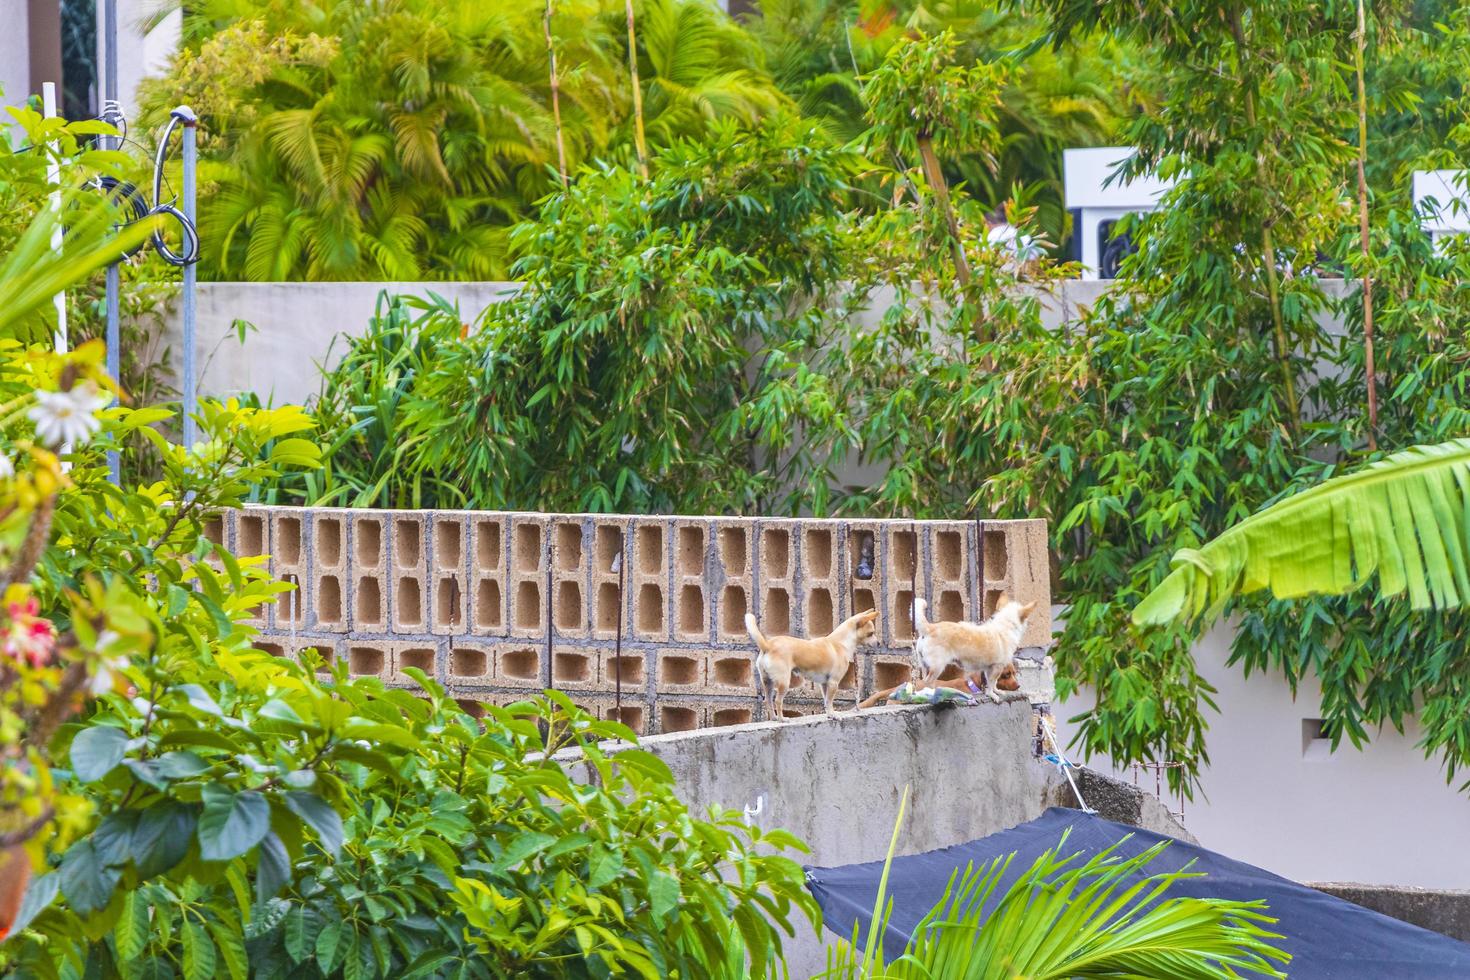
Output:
(191, 394)
(114, 337)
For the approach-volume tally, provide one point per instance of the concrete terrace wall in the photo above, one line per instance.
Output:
(466, 596)
(837, 783)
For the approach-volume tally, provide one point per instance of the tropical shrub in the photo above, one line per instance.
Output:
(401, 141)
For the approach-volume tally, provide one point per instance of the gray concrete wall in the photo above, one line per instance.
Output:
(837, 783)
(1445, 912)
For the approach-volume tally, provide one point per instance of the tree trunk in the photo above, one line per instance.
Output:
(561, 145)
(638, 139)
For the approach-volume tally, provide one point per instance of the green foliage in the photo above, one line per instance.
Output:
(401, 141)
(1105, 917)
(921, 92)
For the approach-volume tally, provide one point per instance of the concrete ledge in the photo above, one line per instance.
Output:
(1442, 911)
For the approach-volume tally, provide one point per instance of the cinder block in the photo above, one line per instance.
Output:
(328, 571)
(732, 605)
(329, 605)
(471, 707)
(410, 564)
(681, 715)
(470, 665)
(325, 649)
(732, 582)
(633, 713)
(252, 533)
(628, 668)
(369, 604)
(409, 603)
(863, 561)
(951, 572)
(369, 659)
(288, 535)
(722, 716)
(329, 539)
(521, 665)
(571, 554)
(606, 611)
(778, 611)
(368, 540)
(574, 668)
(902, 572)
(679, 670)
(692, 601)
(731, 672)
(421, 655)
(890, 671)
(450, 598)
(527, 576)
(649, 580)
(212, 529)
(487, 593)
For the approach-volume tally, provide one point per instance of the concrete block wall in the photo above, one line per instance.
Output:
(643, 615)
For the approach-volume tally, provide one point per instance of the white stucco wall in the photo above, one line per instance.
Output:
(1380, 815)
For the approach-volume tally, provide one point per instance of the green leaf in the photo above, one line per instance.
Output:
(524, 846)
(199, 952)
(231, 823)
(96, 751)
(604, 867)
(41, 893)
(131, 931)
(161, 838)
(180, 765)
(320, 817)
(328, 947)
(273, 870)
(663, 895)
(231, 946)
(85, 880)
(301, 926)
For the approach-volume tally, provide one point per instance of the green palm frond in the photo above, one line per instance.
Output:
(1105, 917)
(1404, 519)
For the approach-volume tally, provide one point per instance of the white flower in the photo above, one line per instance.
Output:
(7, 467)
(63, 417)
(103, 680)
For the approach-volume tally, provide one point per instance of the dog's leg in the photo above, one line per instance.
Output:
(992, 678)
(829, 695)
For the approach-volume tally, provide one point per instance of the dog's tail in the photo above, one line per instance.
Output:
(756, 636)
(921, 622)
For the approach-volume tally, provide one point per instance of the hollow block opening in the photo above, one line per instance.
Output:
(729, 716)
(274, 649)
(447, 607)
(420, 657)
(410, 602)
(648, 542)
(819, 613)
(628, 714)
(568, 606)
(691, 550)
(329, 541)
(288, 604)
(526, 545)
(995, 555)
(324, 658)
(949, 554)
(992, 599)
(472, 708)
(365, 661)
(819, 552)
(627, 670)
(448, 540)
(863, 600)
(250, 535)
(891, 674)
(407, 543)
(329, 599)
(466, 662)
(607, 607)
(528, 605)
(777, 613)
(862, 555)
(368, 534)
(951, 606)
(487, 604)
(691, 610)
(649, 609)
(776, 552)
(521, 665)
(849, 679)
(673, 719)
(732, 671)
(904, 555)
(571, 668)
(214, 530)
(288, 540)
(608, 544)
(487, 545)
(732, 611)
(673, 669)
(569, 547)
(369, 604)
(951, 673)
(733, 550)
(903, 615)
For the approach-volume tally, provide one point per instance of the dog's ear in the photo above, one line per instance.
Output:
(1001, 601)
(1028, 609)
(869, 615)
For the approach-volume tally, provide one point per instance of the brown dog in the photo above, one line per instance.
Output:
(973, 685)
(822, 661)
(986, 647)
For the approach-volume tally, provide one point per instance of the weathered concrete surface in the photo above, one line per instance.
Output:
(836, 783)
(1439, 910)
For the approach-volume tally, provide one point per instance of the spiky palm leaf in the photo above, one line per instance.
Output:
(1404, 519)
(1106, 917)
